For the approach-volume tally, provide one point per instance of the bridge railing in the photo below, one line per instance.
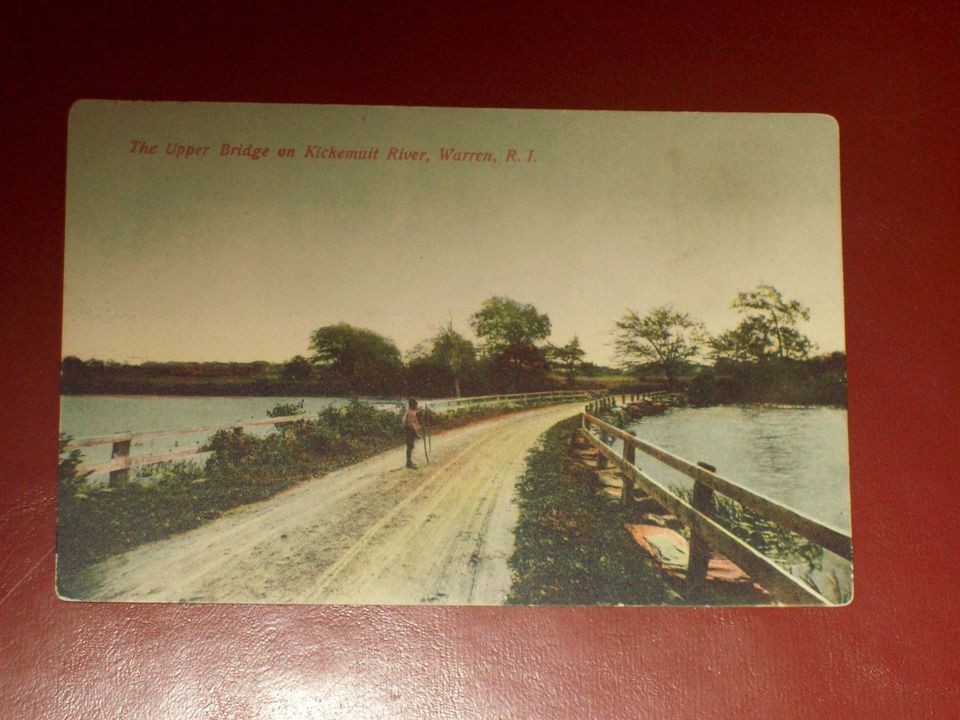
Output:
(705, 532)
(662, 397)
(665, 397)
(600, 403)
(549, 396)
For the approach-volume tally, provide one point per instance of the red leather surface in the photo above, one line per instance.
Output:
(887, 72)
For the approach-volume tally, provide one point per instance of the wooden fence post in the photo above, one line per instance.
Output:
(601, 458)
(697, 564)
(629, 457)
(120, 449)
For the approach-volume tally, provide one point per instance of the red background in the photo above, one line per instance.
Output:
(887, 72)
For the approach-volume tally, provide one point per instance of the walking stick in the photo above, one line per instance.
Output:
(426, 451)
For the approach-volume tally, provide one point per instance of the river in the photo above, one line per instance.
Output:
(795, 455)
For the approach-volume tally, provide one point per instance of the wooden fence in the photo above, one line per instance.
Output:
(657, 396)
(705, 532)
(121, 461)
(547, 397)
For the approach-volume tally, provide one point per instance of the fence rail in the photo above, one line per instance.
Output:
(511, 397)
(705, 532)
(663, 397)
(656, 396)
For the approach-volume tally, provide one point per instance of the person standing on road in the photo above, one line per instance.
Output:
(411, 429)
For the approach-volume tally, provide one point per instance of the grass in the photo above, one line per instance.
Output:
(571, 547)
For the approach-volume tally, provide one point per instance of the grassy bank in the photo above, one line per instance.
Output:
(97, 522)
(571, 548)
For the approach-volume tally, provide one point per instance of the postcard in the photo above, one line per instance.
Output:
(415, 355)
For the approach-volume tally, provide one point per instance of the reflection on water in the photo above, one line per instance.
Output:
(797, 456)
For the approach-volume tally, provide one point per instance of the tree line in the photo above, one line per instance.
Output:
(511, 355)
(765, 357)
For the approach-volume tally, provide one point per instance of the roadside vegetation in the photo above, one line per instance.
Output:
(96, 521)
(571, 548)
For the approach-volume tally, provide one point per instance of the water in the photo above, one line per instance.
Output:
(796, 455)
(83, 416)
(94, 415)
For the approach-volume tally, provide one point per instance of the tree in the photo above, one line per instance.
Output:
(568, 358)
(502, 322)
(768, 329)
(368, 361)
(519, 368)
(749, 341)
(297, 368)
(72, 365)
(664, 338)
(440, 362)
(510, 331)
(455, 352)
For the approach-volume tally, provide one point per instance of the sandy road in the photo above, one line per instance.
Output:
(374, 532)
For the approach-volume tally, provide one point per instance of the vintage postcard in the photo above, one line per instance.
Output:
(407, 355)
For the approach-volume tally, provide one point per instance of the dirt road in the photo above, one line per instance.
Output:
(374, 532)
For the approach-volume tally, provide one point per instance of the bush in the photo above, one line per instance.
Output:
(96, 522)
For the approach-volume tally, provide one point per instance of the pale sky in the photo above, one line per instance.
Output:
(228, 258)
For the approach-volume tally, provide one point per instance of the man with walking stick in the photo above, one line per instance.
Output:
(411, 430)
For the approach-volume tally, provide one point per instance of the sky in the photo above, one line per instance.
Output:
(229, 258)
